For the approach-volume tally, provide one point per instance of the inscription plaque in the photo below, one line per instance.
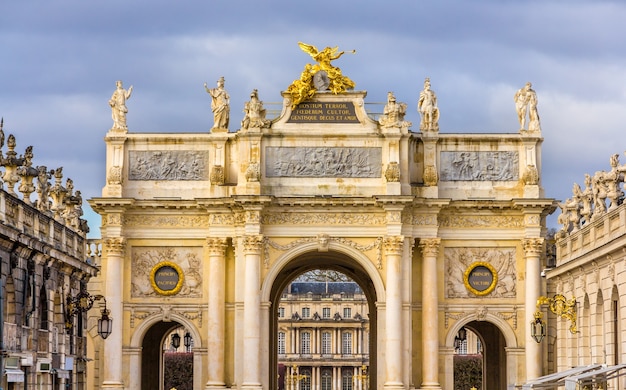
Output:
(166, 278)
(323, 162)
(480, 278)
(328, 112)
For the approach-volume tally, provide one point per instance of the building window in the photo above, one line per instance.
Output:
(346, 379)
(326, 312)
(347, 313)
(305, 343)
(306, 312)
(281, 343)
(327, 379)
(346, 343)
(43, 309)
(326, 343)
(281, 312)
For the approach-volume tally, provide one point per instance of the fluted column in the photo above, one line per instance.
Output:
(393, 313)
(113, 362)
(252, 313)
(430, 314)
(532, 251)
(216, 311)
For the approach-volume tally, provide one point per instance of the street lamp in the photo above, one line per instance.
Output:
(82, 303)
(175, 340)
(363, 377)
(294, 378)
(559, 305)
(187, 341)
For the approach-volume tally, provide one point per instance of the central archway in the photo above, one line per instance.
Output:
(334, 261)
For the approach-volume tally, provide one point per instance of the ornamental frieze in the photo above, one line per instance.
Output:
(186, 261)
(324, 218)
(168, 165)
(461, 264)
(486, 221)
(323, 162)
(479, 166)
(166, 220)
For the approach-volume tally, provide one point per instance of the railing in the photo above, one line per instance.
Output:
(27, 219)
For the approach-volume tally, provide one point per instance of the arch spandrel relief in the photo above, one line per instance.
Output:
(185, 260)
(501, 263)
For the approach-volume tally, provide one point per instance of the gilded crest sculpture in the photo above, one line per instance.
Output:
(322, 76)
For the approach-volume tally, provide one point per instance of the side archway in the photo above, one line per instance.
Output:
(147, 350)
(498, 342)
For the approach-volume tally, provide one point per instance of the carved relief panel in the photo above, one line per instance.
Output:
(323, 162)
(187, 261)
(479, 166)
(460, 263)
(168, 165)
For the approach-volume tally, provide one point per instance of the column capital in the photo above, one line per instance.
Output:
(393, 245)
(216, 245)
(533, 246)
(115, 245)
(253, 244)
(430, 246)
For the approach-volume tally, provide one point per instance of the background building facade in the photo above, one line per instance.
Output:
(45, 264)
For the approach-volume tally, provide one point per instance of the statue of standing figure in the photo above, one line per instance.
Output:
(220, 105)
(427, 107)
(118, 105)
(526, 102)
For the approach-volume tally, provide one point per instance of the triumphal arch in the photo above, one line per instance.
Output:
(204, 231)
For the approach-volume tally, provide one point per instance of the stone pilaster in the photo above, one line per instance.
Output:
(393, 313)
(114, 248)
(532, 251)
(430, 314)
(216, 313)
(253, 245)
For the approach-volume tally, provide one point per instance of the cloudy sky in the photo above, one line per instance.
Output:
(60, 60)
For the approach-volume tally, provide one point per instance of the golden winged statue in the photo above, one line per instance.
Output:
(322, 76)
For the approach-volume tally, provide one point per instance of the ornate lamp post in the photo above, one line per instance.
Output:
(82, 303)
(294, 378)
(558, 305)
(363, 377)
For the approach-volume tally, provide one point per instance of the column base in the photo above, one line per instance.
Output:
(430, 386)
(112, 385)
(394, 386)
(215, 386)
(251, 386)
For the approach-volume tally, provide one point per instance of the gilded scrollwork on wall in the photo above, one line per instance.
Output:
(459, 260)
(168, 165)
(144, 259)
(479, 166)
